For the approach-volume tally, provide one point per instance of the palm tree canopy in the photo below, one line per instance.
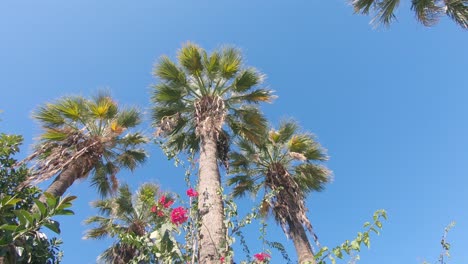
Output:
(286, 162)
(123, 214)
(93, 131)
(428, 12)
(201, 92)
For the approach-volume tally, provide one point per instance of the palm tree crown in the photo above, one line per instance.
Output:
(202, 93)
(124, 214)
(428, 12)
(86, 135)
(287, 163)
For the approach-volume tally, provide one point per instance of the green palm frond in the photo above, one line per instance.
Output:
(311, 177)
(384, 9)
(131, 158)
(70, 107)
(49, 116)
(386, 12)
(248, 122)
(256, 96)
(129, 118)
(211, 64)
(427, 12)
(230, 62)
(190, 58)
(168, 71)
(458, 11)
(247, 79)
(285, 132)
(363, 6)
(168, 93)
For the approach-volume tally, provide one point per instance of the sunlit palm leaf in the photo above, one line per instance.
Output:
(458, 11)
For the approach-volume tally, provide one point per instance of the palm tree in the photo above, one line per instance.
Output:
(83, 136)
(428, 12)
(286, 163)
(121, 215)
(199, 104)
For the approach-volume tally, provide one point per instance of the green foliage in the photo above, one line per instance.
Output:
(22, 215)
(354, 246)
(91, 132)
(428, 12)
(140, 225)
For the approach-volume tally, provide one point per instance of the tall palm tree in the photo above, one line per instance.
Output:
(288, 164)
(199, 104)
(83, 136)
(124, 214)
(428, 12)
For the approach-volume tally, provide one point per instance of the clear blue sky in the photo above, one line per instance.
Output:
(389, 105)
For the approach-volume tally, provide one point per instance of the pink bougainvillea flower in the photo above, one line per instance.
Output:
(221, 259)
(192, 193)
(164, 203)
(262, 256)
(154, 209)
(160, 213)
(179, 215)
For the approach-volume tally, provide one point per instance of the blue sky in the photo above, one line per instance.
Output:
(388, 104)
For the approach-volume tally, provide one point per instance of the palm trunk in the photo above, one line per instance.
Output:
(298, 234)
(65, 179)
(210, 204)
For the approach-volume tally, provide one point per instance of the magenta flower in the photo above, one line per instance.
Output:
(179, 215)
(192, 193)
(262, 256)
(164, 203)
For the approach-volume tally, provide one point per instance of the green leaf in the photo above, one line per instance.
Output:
(8, 227)
(378, 224)
(65, 212)
(41, 206)
(355, 245)
(53, 226)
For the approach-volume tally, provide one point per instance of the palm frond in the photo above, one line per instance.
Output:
(191, 59)
(101, 179)
(427, 12)
(169, 72)
(129, 118)
(458, 11)
(124, 201)
(71, 107)
(211, 64)
(243, 184)
(49, 116)
(386, 12)
(230, 62)
(256, 96)
(131, 158)
(103, 107)
(311, 177)
(247, 79)
(168, 94)
(248, 122)
(286, 132)
(363, 6)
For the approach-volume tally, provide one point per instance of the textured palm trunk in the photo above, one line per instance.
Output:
(212, 230)
(66, 178)
(298, 234)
